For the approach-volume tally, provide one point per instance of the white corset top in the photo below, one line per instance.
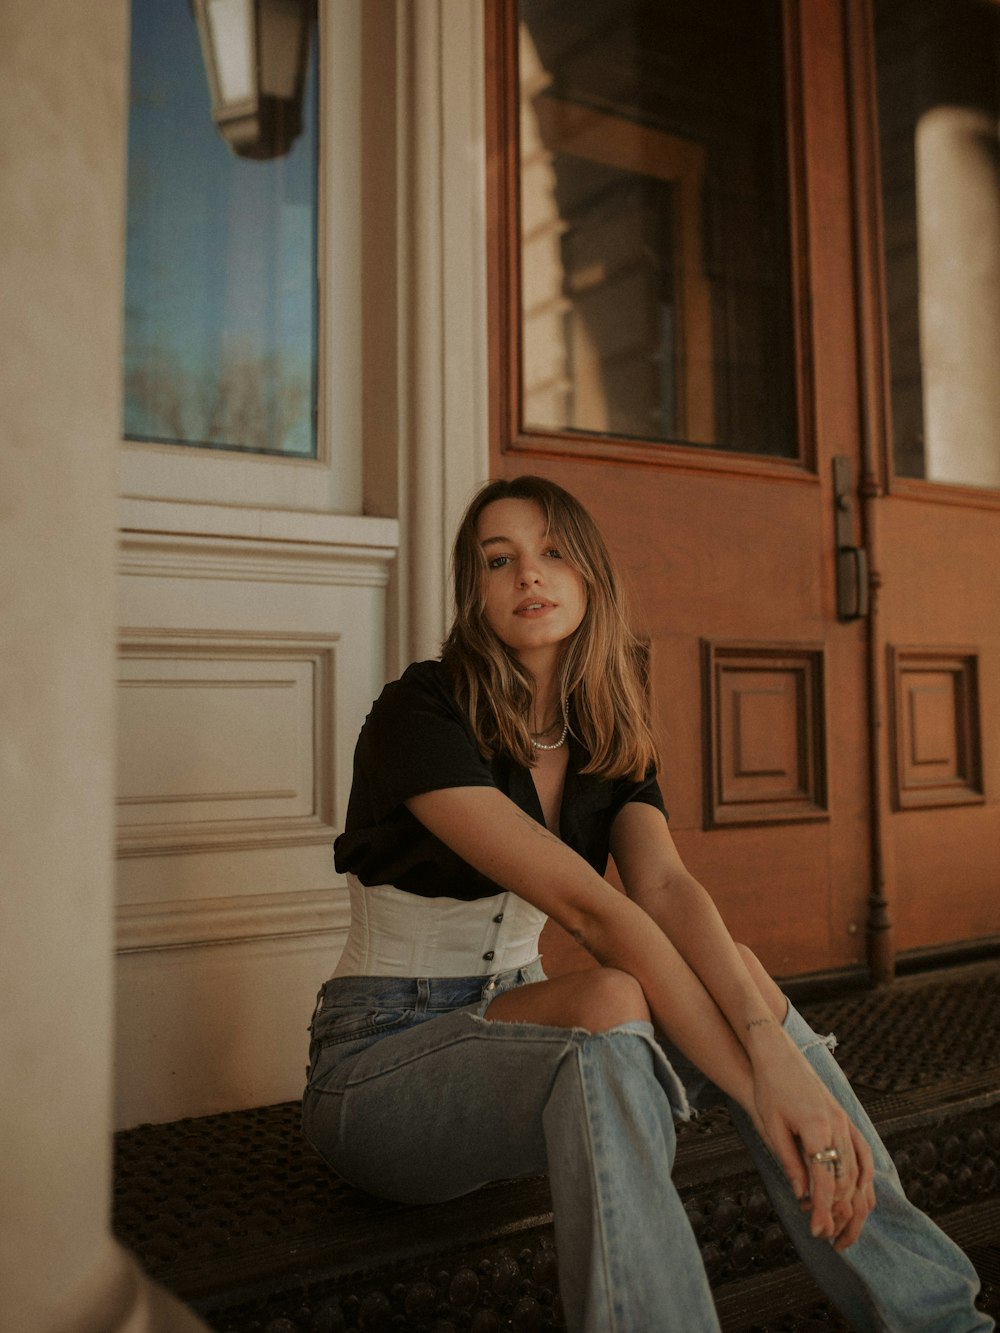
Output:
(396, 934)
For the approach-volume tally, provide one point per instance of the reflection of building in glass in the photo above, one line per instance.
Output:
(655, 291)
(616, 260)
(220, 301)
(940, 156)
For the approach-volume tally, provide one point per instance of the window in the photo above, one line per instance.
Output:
(220, 338)
(939, 108)
(653, 295)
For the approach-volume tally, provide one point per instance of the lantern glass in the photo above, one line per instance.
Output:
(255, 54)
(230, 24)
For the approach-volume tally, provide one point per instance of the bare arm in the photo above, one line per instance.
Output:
(489, 831)
(657, 880)
(796, 1113)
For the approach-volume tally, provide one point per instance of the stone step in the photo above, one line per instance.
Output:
(787, 1300)
(237, 1215)
(373, 1264)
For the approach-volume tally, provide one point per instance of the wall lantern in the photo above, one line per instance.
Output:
(255, 54)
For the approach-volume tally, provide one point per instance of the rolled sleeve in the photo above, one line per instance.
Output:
(646, 791)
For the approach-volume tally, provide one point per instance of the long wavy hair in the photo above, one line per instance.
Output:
(602, 666)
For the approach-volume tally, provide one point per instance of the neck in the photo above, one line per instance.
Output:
(546, 705)
(542, 664)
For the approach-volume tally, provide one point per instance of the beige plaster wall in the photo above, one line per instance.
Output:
(62, 81)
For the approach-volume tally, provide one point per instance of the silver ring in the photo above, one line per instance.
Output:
(825, 1155)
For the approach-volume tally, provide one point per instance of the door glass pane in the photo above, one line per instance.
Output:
(220, 283)
(655, 276)
(939, 104)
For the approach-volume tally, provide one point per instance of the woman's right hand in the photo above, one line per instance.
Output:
(798, 1118)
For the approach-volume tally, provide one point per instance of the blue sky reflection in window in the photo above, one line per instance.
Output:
(220, 281)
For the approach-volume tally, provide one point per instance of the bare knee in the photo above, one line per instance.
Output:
(597, 999)
(765, 982)
(607, 998)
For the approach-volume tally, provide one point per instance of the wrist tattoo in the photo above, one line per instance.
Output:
(759, 1023)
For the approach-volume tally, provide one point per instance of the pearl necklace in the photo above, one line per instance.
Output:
(562, 739)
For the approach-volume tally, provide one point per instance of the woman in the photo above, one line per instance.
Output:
(489, 788)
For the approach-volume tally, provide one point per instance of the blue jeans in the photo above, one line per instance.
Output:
(414, 1096)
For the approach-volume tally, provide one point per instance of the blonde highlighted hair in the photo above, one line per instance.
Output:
(602, 668)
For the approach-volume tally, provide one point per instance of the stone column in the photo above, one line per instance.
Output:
(63, 71)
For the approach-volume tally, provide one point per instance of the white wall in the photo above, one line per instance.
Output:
(246, 666)
(262, 605)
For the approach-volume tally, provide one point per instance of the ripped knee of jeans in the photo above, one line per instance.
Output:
(667, 1077)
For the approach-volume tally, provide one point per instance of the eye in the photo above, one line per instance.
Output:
(497, 561)
(554, 552)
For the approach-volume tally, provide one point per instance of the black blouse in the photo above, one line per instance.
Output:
(417, 738)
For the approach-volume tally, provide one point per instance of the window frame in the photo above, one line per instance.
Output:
(332, 482)
(873, 313)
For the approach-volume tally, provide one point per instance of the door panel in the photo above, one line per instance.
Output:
(941, 611)
(730, 556)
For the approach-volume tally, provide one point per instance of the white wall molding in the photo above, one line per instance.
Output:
(255, 641)
(154, 840)
(441, 205)
(268, 524)
(175, 556)
(142, 927)
(464, 271)
(161, 539)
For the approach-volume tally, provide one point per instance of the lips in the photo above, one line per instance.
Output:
(533, 606)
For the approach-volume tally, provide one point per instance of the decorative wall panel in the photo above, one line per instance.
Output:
(255, 641)
(936, 721)
(766, 750)
(225, 741)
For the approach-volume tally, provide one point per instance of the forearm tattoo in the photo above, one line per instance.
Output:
(535, 827)
(759, 1023)
(577, 935)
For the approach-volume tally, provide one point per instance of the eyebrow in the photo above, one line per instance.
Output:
(497, 541)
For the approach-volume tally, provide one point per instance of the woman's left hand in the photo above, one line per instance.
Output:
(800, 1122)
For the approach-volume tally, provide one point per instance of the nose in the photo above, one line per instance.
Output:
(528, 573)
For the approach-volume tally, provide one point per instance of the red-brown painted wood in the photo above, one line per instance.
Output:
(731, 549)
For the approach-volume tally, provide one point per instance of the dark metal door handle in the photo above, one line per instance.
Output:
(852, 560)
(852, 582)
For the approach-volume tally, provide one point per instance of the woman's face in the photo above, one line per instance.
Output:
(534, 598)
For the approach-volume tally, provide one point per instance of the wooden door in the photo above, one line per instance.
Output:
(831, 775)
(702, 435)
